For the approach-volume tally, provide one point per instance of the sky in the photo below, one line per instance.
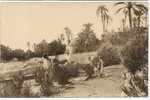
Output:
(33, 22)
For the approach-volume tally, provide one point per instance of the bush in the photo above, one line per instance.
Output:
(64, 72)
(134, 53)
(44, 81)
(72, 69)
(109, 54)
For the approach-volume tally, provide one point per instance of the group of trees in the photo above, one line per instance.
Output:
(53, 48)
(136, 14)
(129, 47)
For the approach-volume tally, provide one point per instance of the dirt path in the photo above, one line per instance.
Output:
(97, 87)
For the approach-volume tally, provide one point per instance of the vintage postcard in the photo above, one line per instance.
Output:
(74, 49)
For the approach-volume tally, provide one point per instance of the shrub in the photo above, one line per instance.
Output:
(134, 53)
(44, 81)
(72, 69)
(64, 72)
(109, 54)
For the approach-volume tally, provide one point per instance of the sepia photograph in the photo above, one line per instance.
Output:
(73, 49)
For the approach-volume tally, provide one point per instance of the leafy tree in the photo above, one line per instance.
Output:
(41, 48)
(19, 53)
(28, 45)
(86, 40)
(56, 47)
(5, 52)
(102, 11)
(29, 54)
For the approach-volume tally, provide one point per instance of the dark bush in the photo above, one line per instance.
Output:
(64, 72)
(72, 69)
(109, 54)
(135, 52)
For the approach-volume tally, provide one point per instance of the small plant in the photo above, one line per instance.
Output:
(41, 77)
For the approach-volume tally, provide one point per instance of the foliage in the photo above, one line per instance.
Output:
(134, 52)
(72, 69)
(19, 53)
(127, 9)
(103, 12)
(109, 54)
(56, 47)
(29, 54)
(5, 52)
(135, 59)
(86, 40)
(53, 48)
(41, 77)
(41, 48)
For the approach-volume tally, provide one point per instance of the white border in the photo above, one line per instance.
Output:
(79, 1)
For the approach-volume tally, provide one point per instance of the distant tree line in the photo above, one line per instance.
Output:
(85, 41)
(53, 48)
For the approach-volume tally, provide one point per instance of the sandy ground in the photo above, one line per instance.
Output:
(97, 87)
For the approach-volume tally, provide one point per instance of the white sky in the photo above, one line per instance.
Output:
(33, 22)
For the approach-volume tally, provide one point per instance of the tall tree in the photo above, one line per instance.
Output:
(69, 40)
(123, 25)
(28, 45)
(103, 12)
(41, 48)
(86, 40)
(128, 8)
(68, 35)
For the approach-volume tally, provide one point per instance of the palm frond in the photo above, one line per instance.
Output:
(136, 11)
(98, 10)
(120, 9)
(101, 9)
(125, 13)
(105, 9)
(141, 6)
(119, 3)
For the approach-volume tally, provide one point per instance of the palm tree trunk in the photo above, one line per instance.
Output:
(130, 18)
(103, 27)
(139, 19)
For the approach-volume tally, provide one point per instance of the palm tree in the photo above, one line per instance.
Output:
(123, 25)
(62, 38)
(102, 11)
(68, 34)
(139, 15)
(28, 45)
(127, 9)
(69, 40)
